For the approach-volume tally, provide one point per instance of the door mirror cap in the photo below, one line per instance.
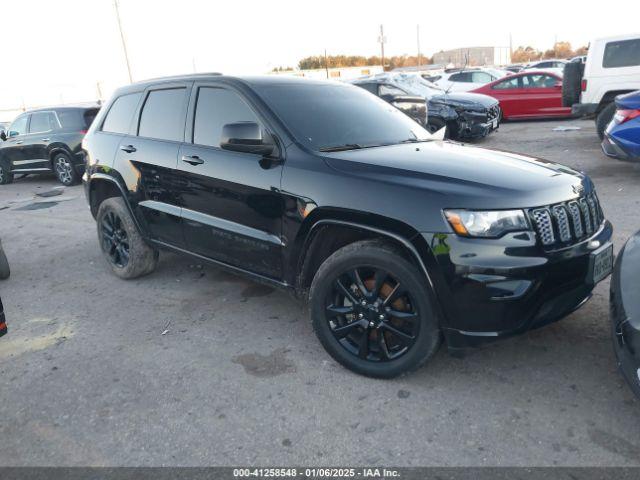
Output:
(245, 137)
(3, 135)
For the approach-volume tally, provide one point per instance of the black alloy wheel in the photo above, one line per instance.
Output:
(372, 315)
(115, 241)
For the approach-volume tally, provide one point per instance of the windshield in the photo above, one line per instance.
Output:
(329, 116)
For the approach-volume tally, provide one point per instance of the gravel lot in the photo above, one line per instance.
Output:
(87, 378)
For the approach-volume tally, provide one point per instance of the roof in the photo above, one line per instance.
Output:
(64, 107)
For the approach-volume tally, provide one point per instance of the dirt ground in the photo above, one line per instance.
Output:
(238, 377)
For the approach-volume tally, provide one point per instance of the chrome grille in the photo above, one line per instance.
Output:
(567, 223)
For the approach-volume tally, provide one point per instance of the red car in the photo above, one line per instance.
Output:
(530, 94)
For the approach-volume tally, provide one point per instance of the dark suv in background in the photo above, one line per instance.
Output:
(45, 141)
(323, 189)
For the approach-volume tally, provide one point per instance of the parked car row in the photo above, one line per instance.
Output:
(45, 141)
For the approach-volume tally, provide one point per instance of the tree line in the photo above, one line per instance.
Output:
(559, 50)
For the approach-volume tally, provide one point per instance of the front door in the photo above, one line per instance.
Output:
(542, 94)
(232, 206)
(13, 148)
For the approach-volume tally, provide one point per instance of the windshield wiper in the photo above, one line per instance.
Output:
(340, 148)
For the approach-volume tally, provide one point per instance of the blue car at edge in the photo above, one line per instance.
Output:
(622, 136)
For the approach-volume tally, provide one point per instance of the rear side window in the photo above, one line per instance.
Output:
(162, 116)
(625, 53)
(42, 122)
(121, 113)
(215, 108)
(510, 84)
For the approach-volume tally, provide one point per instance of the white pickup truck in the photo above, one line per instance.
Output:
(612, 68)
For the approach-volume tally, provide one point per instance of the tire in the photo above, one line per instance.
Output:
(64, 170)
(571, 80)
(364, 337)
(5, 271)
(125, 250)
(604, 117)
(6, 176)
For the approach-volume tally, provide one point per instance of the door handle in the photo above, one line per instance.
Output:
(19, 142)
(128, 148)
(46, 139)
(192, 159)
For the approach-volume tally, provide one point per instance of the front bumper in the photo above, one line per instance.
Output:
(611, 149)
(489, 289)
(473, 125)
(625, 312)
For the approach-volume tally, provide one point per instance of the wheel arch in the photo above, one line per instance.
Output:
(100, 187)
(55, 150)
(609, 97)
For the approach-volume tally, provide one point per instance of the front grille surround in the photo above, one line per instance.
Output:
(567, 223)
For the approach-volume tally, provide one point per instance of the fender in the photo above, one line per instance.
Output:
(123, 194)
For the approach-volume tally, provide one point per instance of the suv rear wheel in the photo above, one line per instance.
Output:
(65, 170)
(125, 250)
(604, 117)
(372, 312)
(5, 175)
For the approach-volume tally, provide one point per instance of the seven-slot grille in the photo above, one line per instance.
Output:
(567, 222)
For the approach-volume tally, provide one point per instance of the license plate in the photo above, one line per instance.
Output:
(494, 124)
(601, 263)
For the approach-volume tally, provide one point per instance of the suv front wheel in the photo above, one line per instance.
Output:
(372, 312)
(127, 253)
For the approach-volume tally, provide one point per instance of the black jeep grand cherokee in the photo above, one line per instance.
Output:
(323, 188)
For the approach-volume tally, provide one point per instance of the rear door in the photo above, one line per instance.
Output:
(232, 206)
(148, 156)
(41, 129)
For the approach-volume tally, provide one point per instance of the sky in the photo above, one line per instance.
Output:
(63, 51)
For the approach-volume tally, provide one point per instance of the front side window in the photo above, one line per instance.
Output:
(215, 108)
(162, 116)
(625, 53)
(509, 84)
(18, 127)
(121, 113)
(325, 116)
(538, 81)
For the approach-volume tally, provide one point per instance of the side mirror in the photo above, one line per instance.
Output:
(13, 133)
(245, 137)
(3, 135)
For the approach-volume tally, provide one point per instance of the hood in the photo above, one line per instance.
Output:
(471, 177)
(466, 100)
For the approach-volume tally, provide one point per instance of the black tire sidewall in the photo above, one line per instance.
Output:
(366, 254)
(74, 174)
(7, 176)
(604, 117)
(142, 258)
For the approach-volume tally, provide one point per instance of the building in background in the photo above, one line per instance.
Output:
(477, 56)
(337, 73)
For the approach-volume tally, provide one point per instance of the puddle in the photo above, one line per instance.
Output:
(38, 206)
(256, 290)
(13, 346)
(272, 365)
(51, 193)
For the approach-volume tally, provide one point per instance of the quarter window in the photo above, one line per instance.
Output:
(481, 77)
(121, 113)
(625, 53)
(162, 116)
(215, 108)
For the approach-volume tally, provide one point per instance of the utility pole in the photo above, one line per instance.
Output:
(124, 43)
(382, 39)
(418, 37)
(326, 63)
(99, 91)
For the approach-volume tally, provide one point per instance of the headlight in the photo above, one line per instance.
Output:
(487, 224)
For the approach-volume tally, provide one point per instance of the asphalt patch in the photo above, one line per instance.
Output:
(38, 206)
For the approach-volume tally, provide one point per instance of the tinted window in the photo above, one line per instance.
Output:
(509, 84)
(369, 87)
(391, 90)
(622, 54)
(460, 77)
(216, 107)
(121, 113)
(18, 127)
(76, 119)
(163, 115)
(42, 122)
(325, 115)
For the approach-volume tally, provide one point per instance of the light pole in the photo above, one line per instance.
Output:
(124, 43)
(382, 39)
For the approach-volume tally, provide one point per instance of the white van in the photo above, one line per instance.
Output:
(612, 68)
